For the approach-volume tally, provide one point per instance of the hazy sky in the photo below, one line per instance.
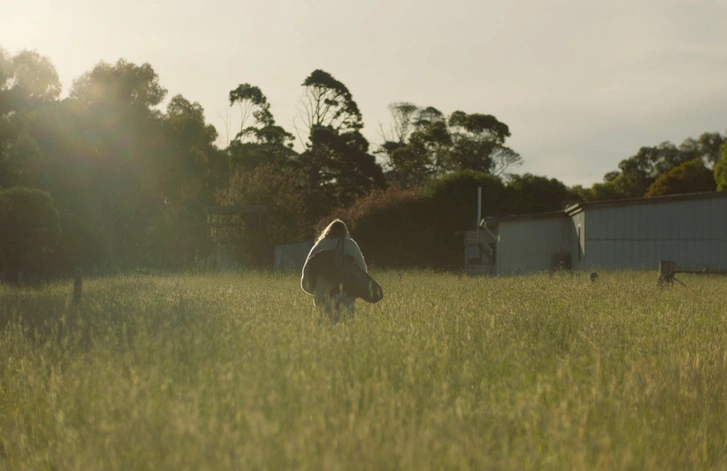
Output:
(581, 83)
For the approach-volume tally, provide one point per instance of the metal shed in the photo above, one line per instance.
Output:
(531, 242)
(291, 257)
(690, 229)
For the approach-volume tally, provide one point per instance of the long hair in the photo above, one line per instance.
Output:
(334, 230)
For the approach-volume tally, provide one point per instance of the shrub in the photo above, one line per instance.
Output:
(251, 237)
(399, 227)
(29, 230)
(689, 177)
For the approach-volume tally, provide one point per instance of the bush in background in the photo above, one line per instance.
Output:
(29, 231)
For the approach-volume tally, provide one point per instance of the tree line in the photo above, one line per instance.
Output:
(109, 180)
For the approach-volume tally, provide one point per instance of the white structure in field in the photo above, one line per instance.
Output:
(291, 257)
(690, 229)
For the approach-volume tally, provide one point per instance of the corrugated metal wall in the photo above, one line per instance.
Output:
(291, 257)
(527, 245)
(692, 232)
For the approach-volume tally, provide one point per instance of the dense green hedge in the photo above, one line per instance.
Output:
(29, 230)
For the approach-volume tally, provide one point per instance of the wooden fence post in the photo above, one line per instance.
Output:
(667, 270)
(77, 286)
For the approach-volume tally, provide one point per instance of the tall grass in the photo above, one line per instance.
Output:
(239, 372)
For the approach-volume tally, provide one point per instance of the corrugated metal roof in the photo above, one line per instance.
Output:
(578, 207)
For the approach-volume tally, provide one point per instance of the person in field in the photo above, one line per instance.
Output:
(318, 277)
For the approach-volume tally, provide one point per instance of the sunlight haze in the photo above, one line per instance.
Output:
(581, 84)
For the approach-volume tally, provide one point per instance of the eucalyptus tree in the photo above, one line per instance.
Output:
(28, 83)
(706, 147)
(478, 143)
(424, 143)
(336, 160)
(327, 103)
(260, 140)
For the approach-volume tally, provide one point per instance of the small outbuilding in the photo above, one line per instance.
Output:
(291, 257)
(690, 229)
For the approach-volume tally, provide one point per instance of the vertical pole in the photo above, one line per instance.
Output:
(479, 207)
(214, 260)
(77, 286)
(667, 269)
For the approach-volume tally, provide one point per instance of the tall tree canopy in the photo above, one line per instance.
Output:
(529, 193)
(28, 81)
(336, 161)
(328, 103)
(424, 143)
(638, 173)
(129, 171)
(689, 177)
(260, 142)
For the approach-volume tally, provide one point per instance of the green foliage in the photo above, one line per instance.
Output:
(190, 157)
(480, 124)
(113, 164)
(534, 194)
(126, 148)
(130, 180)
(393, 227)
(263, 142)
(610, 190)
(29, 230)
(720, 169)
(343, 169)
(20, 162)
(251, 237)
(706, 147)
(26, 80)
(336, 161)
(123, 83)
(230, 372)
(329, 103)
(458, 192)
(423, 221)
(410, 164)
(177, 239)
(263, 132)
(690, 177)
(638, 173)
(424, 143)
(402, 116)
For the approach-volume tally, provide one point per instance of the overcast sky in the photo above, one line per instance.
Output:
(582, 84)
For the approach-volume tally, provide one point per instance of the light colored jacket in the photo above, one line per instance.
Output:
(350, 247)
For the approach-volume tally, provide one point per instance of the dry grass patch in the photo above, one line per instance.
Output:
(238, 372)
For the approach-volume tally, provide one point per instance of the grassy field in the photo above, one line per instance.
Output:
(238, 372)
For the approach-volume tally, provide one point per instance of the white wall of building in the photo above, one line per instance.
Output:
(529, 244)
